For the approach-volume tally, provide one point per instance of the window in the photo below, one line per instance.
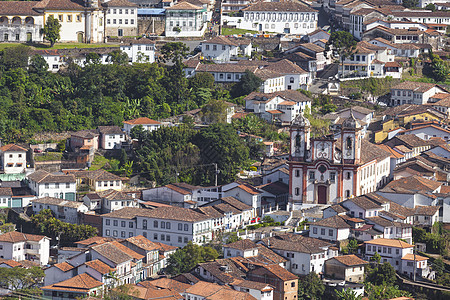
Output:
(347, 193)
(56, 185)
(297, 173)
(293, 284)
(114, 232)
(332, 177)
(185, 240)
(163, 225)
(132, 21)
(163, 237)
(297, 191)
(69, 18)
(115, 223)
(312, 175)
(180, 239)
(122, 234)
(322, 231)
(120, 21)
(186, 227)
(126, 21)
(123, 223)
(5, 36)
(144, 224)
(155, 236)
(155, 224)
(330, 232)
(315, 230)
(126, 11)
(114, 21)
(108, 232)
(78, 18)
(108, 222)
(60, 18)
(18, 38)
(207, 47)
(168, 225)
(291, 80)
(168, 238)
(120, 11)
(180, 226)
(130, 224)
(214, 47)
(349, 175)
(47, 185)
(67, 185)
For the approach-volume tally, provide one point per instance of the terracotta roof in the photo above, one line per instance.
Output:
(421, 87)
(95, 240)
(184, 6)
(426, 210)
(204, 289)
(86, 134)
(236, 203)
(110, 130)
(243, 245)
(76, 5)
(389, 242)
(10, 262)
(58, 202)
(411, 256)
(42, 176)
(119, 3)
(142, 121)
(82, 283)
(226, 68)
(12, 147)
(295, 243)
(18, 8)
(167, 283)
(249, 189)
(410, 109)
(16, 237)
(285, 66)
(99, 266)
(312, 47)
(112, 253)
(97, 175)
(411, 185)
(275, 270)
(364, 202)
(386, 223)
(338, 208)
(254, 285)
(163, 212)
(370, 152)
(350, 260)
(128, 251)
(221, 40)
(6, 191)
(141, 242)
(279, 6)
(392, 64)
(178, 189)
(333, 222)
(394, 154)
(211, 212)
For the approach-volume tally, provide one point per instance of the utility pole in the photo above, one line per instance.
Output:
(415, 264)
(216, 172)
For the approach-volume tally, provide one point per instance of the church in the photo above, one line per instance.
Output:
(330, 169)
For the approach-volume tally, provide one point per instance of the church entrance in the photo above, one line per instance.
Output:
(322, 194)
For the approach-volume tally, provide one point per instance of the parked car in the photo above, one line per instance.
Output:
(37, 150)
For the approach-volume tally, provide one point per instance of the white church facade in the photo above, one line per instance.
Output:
(329, 169)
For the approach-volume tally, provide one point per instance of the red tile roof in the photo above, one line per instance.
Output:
(82, 283)
(12, 147)
(16, 237)
(142, 121)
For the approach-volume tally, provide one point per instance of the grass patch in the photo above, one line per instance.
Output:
(57, 45)
(48, 156)
(231, 31)
(98, 163)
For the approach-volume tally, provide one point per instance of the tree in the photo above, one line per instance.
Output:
(52, 30)
(201, 80)
(214, 112)
(174, 52)
(431, 7)
(38, 64)
(93, 58)
(343, 44)
(19, 278)
(231, 237)
(248, 83)
(347, 294)
(376, 258)
(382, 292)
(383, 274)
(352, 246)
(15, 57)
(118, 57)
(186, 258)
(410, 3)
(310, 287)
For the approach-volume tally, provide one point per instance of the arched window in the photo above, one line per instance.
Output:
(144, 224)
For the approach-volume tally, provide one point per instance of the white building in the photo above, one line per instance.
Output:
(244, 248)
(223, 49)
(282, 106)
(140, 51)
(20, 22)
(44, 184)
(109, 200)
(185, 20)
(64, 210)
(334, 228)
(244, 193)
(294, 76)
(173, 226)
(280, 17)
(347, 267)
(410, 92)
(121, 18)
(304, 254)
(13, 159)
(98, 180)
(111, 137)
(20, 246)
(146, 123)
(400, 255)
(426, 132)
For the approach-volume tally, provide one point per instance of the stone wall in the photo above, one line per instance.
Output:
(151, 26)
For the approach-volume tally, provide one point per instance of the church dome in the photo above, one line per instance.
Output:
(351, 122)
(300, 121)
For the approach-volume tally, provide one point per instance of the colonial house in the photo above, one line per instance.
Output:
(146, 123)
(315, 51)
(334, 228)
(317, 35)
(244, 248)
(244, 193)
(283, 106)
(174, 226)
(391, 229)
(294, 76)
(79, 286)
(223, 49)
(426, 216)
(428, 131)
(45, 184)
(399, 50)
(20, 22)
(185, 20)
(111, 137)
(140, 51)
(327, 170)
(304, 254)
(64, 210)
(13, 159)
(121, 18)
(369, 60)
(84, 138)
(409, 92)
(400, 255)
(20, 246)
(285, 283)
(109, 200)
(346, 267)
(98, 180)
(282, 17)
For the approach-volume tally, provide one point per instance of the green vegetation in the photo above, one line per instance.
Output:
(440, 70)
(231, 237)
(231, 31)
(375, 86)
(65, 233)
(344, 44)
(186, 258)
(52, 30)
(436, 241)
(48, 156)
(310, 287)
(22, 281)
(248, 83)
(410, 3)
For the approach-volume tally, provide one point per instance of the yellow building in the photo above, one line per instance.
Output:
(396, 118)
